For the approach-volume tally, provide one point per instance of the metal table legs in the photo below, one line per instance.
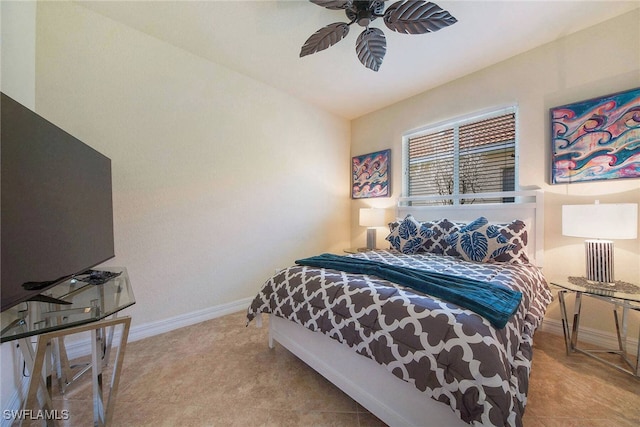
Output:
(571, 337)
(38, 392)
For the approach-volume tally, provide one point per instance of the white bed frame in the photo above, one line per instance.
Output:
(396, 402)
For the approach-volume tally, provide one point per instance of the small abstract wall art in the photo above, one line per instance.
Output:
(370, 175)
(597, 139)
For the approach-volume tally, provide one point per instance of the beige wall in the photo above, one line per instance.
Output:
(218, 179)
(600, 60)
(18, 51)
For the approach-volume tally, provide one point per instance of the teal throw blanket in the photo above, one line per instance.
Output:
(494, 302)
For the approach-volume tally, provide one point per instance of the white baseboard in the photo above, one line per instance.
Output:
(83, 348)
(604, 339)
(596, 337)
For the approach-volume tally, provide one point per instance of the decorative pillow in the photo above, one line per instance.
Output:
(437, 243)
(480, 241)
(516, 234)
(409, 236)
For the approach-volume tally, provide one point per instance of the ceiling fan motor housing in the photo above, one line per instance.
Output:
(363, 12)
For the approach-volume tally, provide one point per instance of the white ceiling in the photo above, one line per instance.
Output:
(262, 39)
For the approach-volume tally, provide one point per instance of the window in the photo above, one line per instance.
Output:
(472, 155)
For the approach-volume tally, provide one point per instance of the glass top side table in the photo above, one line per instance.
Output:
(82, 304)
(86, 303)
(622, 295)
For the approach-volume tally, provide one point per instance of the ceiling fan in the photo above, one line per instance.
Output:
(404, 16)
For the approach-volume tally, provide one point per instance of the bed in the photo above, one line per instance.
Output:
(407, 356)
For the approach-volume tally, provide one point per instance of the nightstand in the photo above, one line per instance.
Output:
(624, 296)
(356, 250)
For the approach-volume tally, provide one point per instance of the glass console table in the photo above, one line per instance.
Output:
(82, 304)
(624, 296)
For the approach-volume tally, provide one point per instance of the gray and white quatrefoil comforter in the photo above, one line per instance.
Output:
(452, 354)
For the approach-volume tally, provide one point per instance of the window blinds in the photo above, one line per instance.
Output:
(473, 156)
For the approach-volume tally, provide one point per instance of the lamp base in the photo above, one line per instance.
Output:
(599, 256)
(371, 238)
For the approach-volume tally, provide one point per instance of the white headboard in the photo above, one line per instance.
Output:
(527, 206)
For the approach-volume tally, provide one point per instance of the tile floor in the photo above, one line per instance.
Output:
(221, 373)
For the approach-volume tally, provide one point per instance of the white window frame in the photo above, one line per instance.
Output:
(455, 123)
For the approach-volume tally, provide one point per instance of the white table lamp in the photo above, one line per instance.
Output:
(371, 218)
(600, 224)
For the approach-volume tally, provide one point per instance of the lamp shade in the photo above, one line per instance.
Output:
(601, 221)
(372, 217)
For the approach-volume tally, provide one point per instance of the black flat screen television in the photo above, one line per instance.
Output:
(56, 200)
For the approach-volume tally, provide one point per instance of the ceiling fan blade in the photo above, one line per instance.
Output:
(333, 4)
(325, 37)
(371, 47)
(417, 17)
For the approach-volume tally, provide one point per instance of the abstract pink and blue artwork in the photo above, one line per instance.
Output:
(370, 175)
(597, 139)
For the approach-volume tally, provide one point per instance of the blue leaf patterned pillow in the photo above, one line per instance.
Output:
(409, 236)
(480, 241)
